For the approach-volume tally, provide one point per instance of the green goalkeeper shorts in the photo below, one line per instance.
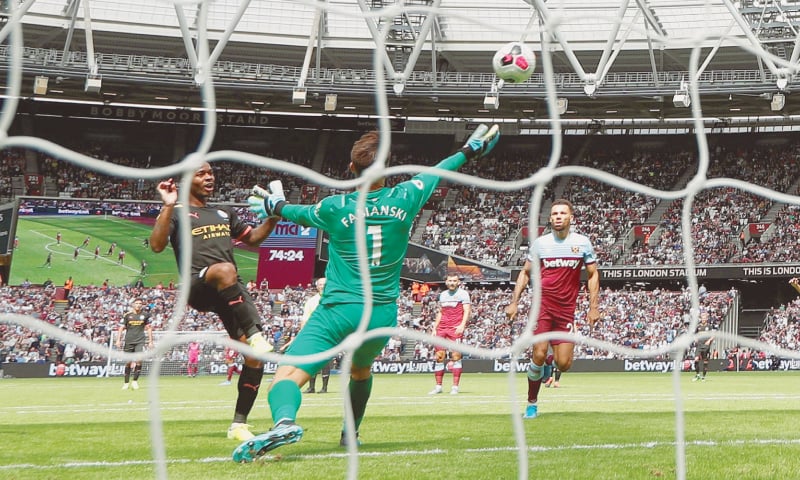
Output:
(329, 325)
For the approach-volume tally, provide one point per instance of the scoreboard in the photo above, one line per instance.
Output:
(287, 256)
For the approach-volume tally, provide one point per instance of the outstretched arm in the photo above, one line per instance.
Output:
(257, 235)
(160, 234)
(478, 145)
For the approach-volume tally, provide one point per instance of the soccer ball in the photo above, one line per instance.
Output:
(514, 62)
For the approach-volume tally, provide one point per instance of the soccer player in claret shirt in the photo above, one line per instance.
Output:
(561, 254)
(388, 215)
(215, 282)
(451, 320)
(232, 362)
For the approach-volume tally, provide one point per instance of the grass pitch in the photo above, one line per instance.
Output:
(37, 237)
(596, 426)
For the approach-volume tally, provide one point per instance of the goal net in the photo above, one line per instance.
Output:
(175, 359)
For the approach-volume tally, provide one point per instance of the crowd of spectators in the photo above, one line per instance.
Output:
(637, 319)
(782, 326)
(479, 226)
(641, 320)
(79, 182)
(12, 164)
(605, 213)
(482, 224)
(234, 179)
(94, 312)
(486, 225)
(719, 215)
(778, 245)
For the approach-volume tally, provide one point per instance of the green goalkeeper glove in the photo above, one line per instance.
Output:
(266, 202)
(481, 142)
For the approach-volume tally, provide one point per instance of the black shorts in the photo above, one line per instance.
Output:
(704, 353)
(133, 347)
(205, 298)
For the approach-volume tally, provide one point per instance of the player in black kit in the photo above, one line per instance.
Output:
(215, 283)
(703, 352)
(136, 325)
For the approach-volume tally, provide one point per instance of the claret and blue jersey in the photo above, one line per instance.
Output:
(561, 262)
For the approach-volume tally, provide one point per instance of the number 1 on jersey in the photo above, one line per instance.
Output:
(377, 244)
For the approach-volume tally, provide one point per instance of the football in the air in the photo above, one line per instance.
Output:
(514, 62)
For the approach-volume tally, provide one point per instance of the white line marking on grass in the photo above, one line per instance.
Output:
(418, 453)
(312, 402)
(643, 445)
(81, 253)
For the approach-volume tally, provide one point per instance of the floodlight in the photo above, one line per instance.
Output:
(778, 102)
(491, 100)
(299, 95)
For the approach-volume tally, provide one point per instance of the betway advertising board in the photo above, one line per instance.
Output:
(633, 365)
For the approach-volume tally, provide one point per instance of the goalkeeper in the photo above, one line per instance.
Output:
(389, 215)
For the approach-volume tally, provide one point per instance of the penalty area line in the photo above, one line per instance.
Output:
(416, 453)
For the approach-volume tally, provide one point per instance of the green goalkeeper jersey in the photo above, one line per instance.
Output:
(389, 215)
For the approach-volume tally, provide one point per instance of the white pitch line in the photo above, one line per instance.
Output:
(80, 255)
(463, 400)
(421, 453)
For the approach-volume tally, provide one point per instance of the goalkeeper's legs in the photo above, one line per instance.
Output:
(360, 391)
(284, 402)
(360, 388)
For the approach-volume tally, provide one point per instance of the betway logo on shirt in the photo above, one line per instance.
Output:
(572, 263)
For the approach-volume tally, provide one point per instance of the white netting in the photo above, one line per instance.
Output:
(211, 359)
(550, 24)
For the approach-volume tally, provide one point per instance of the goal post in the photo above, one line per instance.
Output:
(176, 358)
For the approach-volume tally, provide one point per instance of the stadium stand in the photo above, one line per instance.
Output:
(636, 319)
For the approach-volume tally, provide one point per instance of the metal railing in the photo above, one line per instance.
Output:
(156, 69)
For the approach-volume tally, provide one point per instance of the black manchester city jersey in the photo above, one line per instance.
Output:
(135, 324)
(212, 229)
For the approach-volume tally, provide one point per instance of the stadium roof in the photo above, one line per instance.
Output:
(610, 58)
